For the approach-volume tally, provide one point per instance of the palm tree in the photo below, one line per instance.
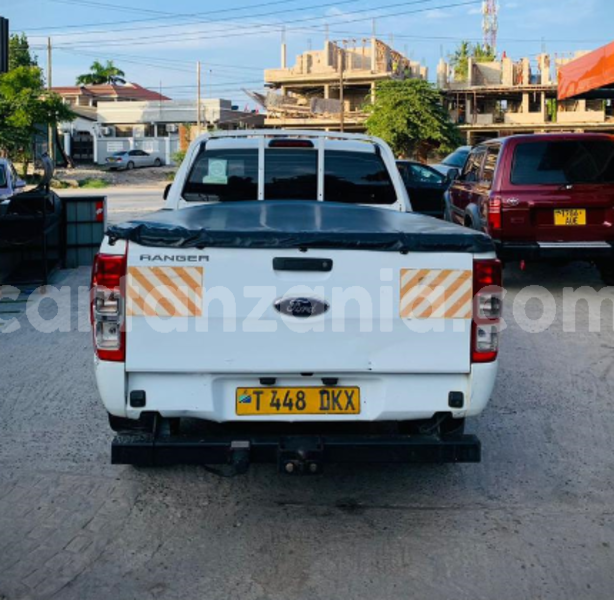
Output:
(465, 50)
(100, 74)
(483, 53)
(459, 60)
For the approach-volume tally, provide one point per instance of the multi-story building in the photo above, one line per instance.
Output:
(505, 97)
(312, 93)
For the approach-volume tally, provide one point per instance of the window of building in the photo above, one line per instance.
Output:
(123, 131)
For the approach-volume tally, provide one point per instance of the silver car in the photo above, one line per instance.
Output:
(132, 159)
(10, 182)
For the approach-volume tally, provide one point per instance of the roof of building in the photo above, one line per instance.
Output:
(85, 112)
(128, 91)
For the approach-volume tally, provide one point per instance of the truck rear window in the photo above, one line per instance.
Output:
(290, 174)
(563, 162)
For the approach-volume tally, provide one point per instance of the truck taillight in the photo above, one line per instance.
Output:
(487, 304)
(494, 212)
(107, 306)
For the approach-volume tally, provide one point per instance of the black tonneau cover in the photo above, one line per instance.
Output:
(299, 224)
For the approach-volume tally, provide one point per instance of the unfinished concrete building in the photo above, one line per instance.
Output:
(328, 89)
(505, 97)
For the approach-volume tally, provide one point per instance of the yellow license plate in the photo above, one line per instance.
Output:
(298, 401)
(570, 216)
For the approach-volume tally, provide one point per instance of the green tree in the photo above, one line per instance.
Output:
(465, 50)
(19, 52)
(460, 60)
(25, 104)
(100, 74)
(483, 53)
(410, 117)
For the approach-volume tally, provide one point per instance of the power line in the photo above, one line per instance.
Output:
(183, 37)
(188, 15)
(163, 59)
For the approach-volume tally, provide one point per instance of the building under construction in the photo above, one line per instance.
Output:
(329, 88)
(505, 97)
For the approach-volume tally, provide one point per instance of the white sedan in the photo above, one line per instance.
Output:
(132, 159)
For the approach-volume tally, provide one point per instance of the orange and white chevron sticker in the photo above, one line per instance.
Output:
(164, 291)
(436, 294)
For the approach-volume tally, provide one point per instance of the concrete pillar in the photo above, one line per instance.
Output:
(284, 53)
(167, 150)
(468, 110)
(373, 92)
(543, 106)
(326, 91)
(507, 71)
(373, 55)
(543, 60)
(526, 71)
(67, 143)
(442, 73)
(525, 102)
(470, 71)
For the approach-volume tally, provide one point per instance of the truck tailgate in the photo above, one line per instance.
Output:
(214, 310)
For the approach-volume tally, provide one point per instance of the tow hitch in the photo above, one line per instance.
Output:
(294, 454)
(300, 456)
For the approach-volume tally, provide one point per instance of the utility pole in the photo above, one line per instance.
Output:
(198, 108)
(4, 45)
(342, 108)
(50, 136)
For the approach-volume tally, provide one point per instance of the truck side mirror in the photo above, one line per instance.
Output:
(167, 191)
(452, 175)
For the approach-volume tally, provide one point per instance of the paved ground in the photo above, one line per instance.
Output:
(533, 521)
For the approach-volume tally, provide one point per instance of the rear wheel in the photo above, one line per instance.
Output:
(130, 166)
(157, 162)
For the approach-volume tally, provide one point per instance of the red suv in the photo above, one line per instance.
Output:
(547, 196)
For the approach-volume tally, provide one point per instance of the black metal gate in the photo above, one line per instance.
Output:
(82, 150)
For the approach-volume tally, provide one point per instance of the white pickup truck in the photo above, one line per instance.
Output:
(288, 306)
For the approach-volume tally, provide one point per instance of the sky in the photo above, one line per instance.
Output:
(157, 42)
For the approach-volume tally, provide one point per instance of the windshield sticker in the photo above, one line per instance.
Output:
(217, 171)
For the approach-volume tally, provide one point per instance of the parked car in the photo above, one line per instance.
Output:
(454, 162)
(10, 182)
(132, 159)
(284, 366)
(425, 186)
(545, 196)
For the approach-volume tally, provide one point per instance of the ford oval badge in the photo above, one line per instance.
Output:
(301, 307)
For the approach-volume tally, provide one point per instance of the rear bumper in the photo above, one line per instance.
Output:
(211, 397)
(553, 250)
(305, 453)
